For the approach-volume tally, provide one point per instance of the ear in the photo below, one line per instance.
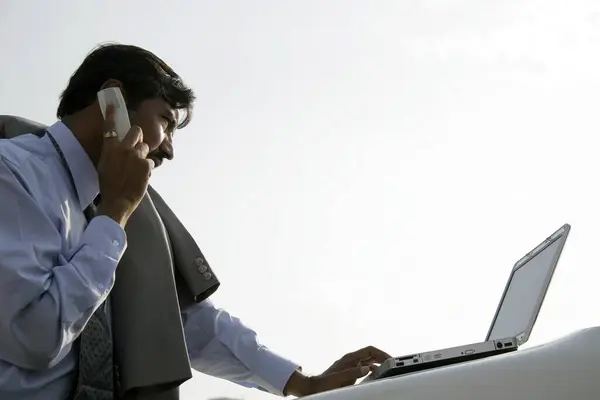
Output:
(112, 83)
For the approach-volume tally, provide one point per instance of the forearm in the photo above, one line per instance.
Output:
(221, 345)
(46, 306)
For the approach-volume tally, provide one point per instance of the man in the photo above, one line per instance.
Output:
(67, 195)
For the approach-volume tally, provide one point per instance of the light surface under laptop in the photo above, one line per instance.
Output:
(513, 320)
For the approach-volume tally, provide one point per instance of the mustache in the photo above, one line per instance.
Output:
(158, 155)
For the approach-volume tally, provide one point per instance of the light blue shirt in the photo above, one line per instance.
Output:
(56, 270)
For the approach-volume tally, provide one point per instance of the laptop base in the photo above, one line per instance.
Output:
(420, 362)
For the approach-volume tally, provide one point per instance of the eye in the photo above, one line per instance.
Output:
(169, 122)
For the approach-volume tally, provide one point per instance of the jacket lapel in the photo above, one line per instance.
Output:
(150, 346)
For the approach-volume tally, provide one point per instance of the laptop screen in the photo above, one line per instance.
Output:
(525, 292)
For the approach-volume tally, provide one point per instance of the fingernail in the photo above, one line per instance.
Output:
(365, 370)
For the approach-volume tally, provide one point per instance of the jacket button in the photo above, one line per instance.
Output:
(199, 261)
(202, 268)
(207, 276)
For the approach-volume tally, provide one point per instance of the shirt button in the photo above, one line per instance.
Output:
(202, 268)
(115, 243)
(198, 261)
(100, 286)
(207, 276)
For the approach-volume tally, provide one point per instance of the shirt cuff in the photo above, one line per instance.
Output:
(102, 245)
(274, 370)
(106, 235)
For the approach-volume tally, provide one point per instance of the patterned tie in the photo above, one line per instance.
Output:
(95, 379)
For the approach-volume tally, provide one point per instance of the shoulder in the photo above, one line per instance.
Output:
(25, 158)
(25, 148)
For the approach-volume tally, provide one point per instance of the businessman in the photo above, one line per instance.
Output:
(74, 202)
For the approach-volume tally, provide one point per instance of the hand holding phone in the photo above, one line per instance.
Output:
(123, 169)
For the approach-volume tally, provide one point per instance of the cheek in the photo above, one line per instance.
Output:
(151, 127)
(153, 135)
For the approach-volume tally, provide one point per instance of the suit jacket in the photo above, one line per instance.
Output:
(161, 272)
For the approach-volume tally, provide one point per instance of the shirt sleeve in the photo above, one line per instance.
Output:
(221, 345)
(46, 299)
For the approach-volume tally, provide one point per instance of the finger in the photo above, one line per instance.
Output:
(372, 365)
(151, 165)
(378, 355)
(109, 125)
(144, 172)
(369, 353)
(109, 119)
(133, 137)
(142, 149)
(354, 359)
(365, 361)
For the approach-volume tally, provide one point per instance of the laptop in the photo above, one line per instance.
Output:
(514, 318)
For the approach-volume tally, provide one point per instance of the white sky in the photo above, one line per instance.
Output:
(359, 172)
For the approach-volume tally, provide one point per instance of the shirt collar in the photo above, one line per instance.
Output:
(81, 167)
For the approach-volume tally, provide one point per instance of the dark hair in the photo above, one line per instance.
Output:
(143, 75)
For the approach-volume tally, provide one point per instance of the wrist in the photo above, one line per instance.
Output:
(298, 385)
(114, 213)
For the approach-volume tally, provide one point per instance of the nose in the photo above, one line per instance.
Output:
(167, 149)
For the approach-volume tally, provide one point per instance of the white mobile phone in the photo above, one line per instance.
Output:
(113, 95)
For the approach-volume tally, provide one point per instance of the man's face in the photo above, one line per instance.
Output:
(158, 121)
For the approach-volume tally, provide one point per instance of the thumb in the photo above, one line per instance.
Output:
(348, 376)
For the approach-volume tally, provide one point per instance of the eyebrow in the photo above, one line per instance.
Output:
(170, 114)
(174, 115)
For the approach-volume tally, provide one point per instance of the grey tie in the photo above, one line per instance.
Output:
(95, 379)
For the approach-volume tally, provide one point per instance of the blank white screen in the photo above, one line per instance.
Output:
(524, 291)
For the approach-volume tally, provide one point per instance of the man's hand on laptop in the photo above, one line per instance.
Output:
(344, 372)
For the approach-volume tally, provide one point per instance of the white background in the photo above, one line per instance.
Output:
(359, 172)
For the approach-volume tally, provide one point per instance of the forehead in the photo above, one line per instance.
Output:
(158, 105)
